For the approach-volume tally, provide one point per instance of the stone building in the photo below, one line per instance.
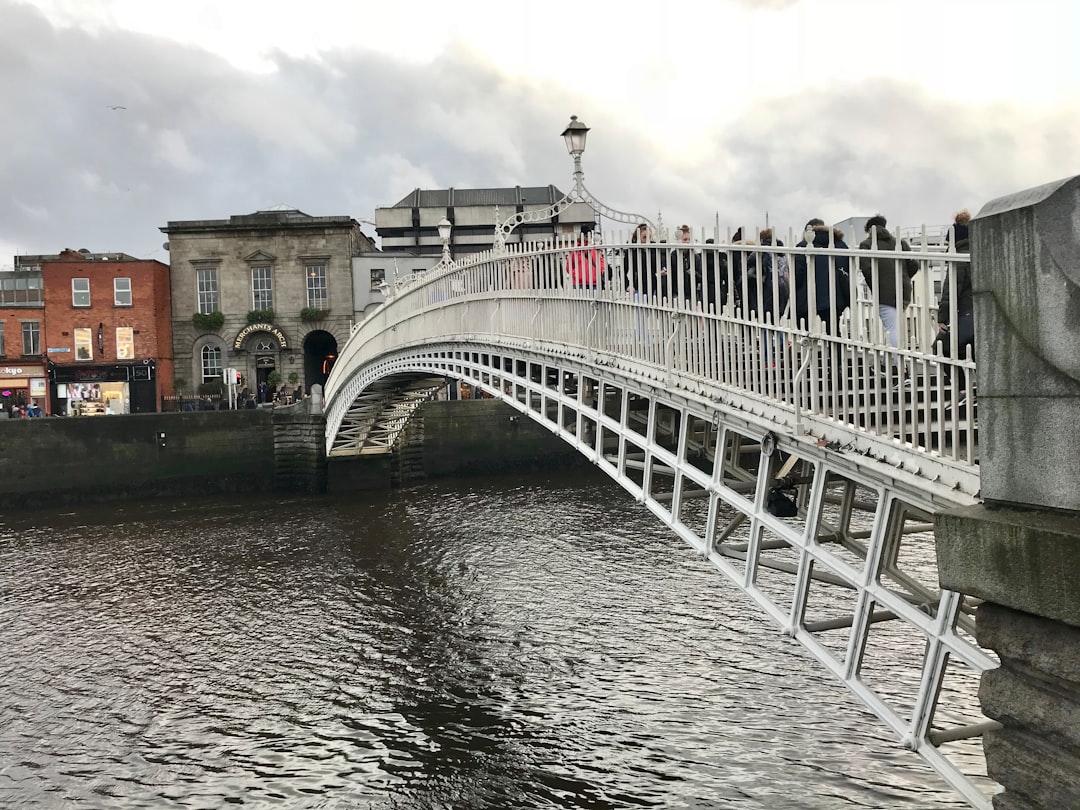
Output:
(411, 225)
(268, 293)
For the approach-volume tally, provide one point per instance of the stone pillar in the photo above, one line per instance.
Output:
(1020, 549)
(300, 447)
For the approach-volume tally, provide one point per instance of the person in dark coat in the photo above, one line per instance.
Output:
(893, 294)
(765, 266)
(965, 319)
(826, 268)
(645, 267)
(685, 268)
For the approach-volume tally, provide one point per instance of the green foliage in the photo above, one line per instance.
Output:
(260, 316)
(179, 384)
(208, 321)
(313, 314)
(273, 379)
(210, 389)
(294, 378)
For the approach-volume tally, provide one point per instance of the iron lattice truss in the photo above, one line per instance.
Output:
(376, 418)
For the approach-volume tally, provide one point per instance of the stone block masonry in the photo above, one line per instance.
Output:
(1020, 551)
(45, 462)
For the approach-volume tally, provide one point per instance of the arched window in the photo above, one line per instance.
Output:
(211, 363)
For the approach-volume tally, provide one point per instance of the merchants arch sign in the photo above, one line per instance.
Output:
(250, 329)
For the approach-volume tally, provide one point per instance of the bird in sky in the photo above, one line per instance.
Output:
(117, 107)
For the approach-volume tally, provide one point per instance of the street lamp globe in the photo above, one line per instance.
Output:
(574, 134)
(444, 229)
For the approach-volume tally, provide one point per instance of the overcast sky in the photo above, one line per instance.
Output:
(120, 115)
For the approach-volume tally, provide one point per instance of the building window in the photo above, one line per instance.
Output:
(316, 286)
(2, 352)
(264, 346)
(378, 276)
(208, 290)
(31, 338)
(80, 292)
(125, 343)
(262, 288)
(21, 290)
(211, 363)
(121, 292)
(84, 344)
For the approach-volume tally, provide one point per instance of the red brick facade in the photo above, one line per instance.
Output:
(148, 315)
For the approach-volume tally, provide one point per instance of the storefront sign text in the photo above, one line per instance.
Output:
(244, 333)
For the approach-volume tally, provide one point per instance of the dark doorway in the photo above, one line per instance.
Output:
(320, 352)
(264, 367)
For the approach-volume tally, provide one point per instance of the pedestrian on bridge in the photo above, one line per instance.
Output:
(965, 320)
(889, 281)
(585, 265)
(645, 268)
(826, 293)
(685, 264)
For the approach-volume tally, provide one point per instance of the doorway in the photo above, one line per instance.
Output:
(320, 352)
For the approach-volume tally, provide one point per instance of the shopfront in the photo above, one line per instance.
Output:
(104, 390)
(22, 385)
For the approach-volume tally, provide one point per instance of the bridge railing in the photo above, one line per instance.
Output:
(805, 345)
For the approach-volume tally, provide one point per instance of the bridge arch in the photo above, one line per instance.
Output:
(816, 505)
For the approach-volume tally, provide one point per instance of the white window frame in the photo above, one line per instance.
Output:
(262, 287)
(77, 293)
(206, 289)
(119, 292)
(31, 335)
(210, 358)
(83, 338)
(125, 343)
(317, 294)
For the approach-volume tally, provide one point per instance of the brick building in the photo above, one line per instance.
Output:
(268, 293)
(107, 332)
(22, 316)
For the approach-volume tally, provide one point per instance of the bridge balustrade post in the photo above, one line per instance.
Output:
(1020, 550)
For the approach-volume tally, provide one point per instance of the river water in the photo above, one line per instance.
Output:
(534, 642)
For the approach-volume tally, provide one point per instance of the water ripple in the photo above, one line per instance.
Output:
(522, 643)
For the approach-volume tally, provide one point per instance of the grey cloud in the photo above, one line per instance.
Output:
(354, 130)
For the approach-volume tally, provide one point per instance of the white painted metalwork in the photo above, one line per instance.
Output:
(717, 416)
(575, 141)
(380, 412)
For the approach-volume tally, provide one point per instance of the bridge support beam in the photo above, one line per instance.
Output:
(1020, 551)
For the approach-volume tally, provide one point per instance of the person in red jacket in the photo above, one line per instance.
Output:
(585, 265)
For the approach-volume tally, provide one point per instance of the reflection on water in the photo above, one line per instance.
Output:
(519, 643)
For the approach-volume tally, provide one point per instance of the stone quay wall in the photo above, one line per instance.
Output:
(44, 462)
(1020, 550)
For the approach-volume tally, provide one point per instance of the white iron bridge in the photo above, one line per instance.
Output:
(804, 458)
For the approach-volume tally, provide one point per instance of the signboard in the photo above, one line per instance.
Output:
(55, 349)
(249, 330)
(37, 387)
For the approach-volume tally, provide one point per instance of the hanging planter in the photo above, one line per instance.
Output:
(208, 321)
(313, 314)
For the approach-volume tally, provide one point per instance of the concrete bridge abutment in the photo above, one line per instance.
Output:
(1020, 549)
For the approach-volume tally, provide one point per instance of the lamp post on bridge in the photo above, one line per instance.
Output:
(574, 135)
(445, 227)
